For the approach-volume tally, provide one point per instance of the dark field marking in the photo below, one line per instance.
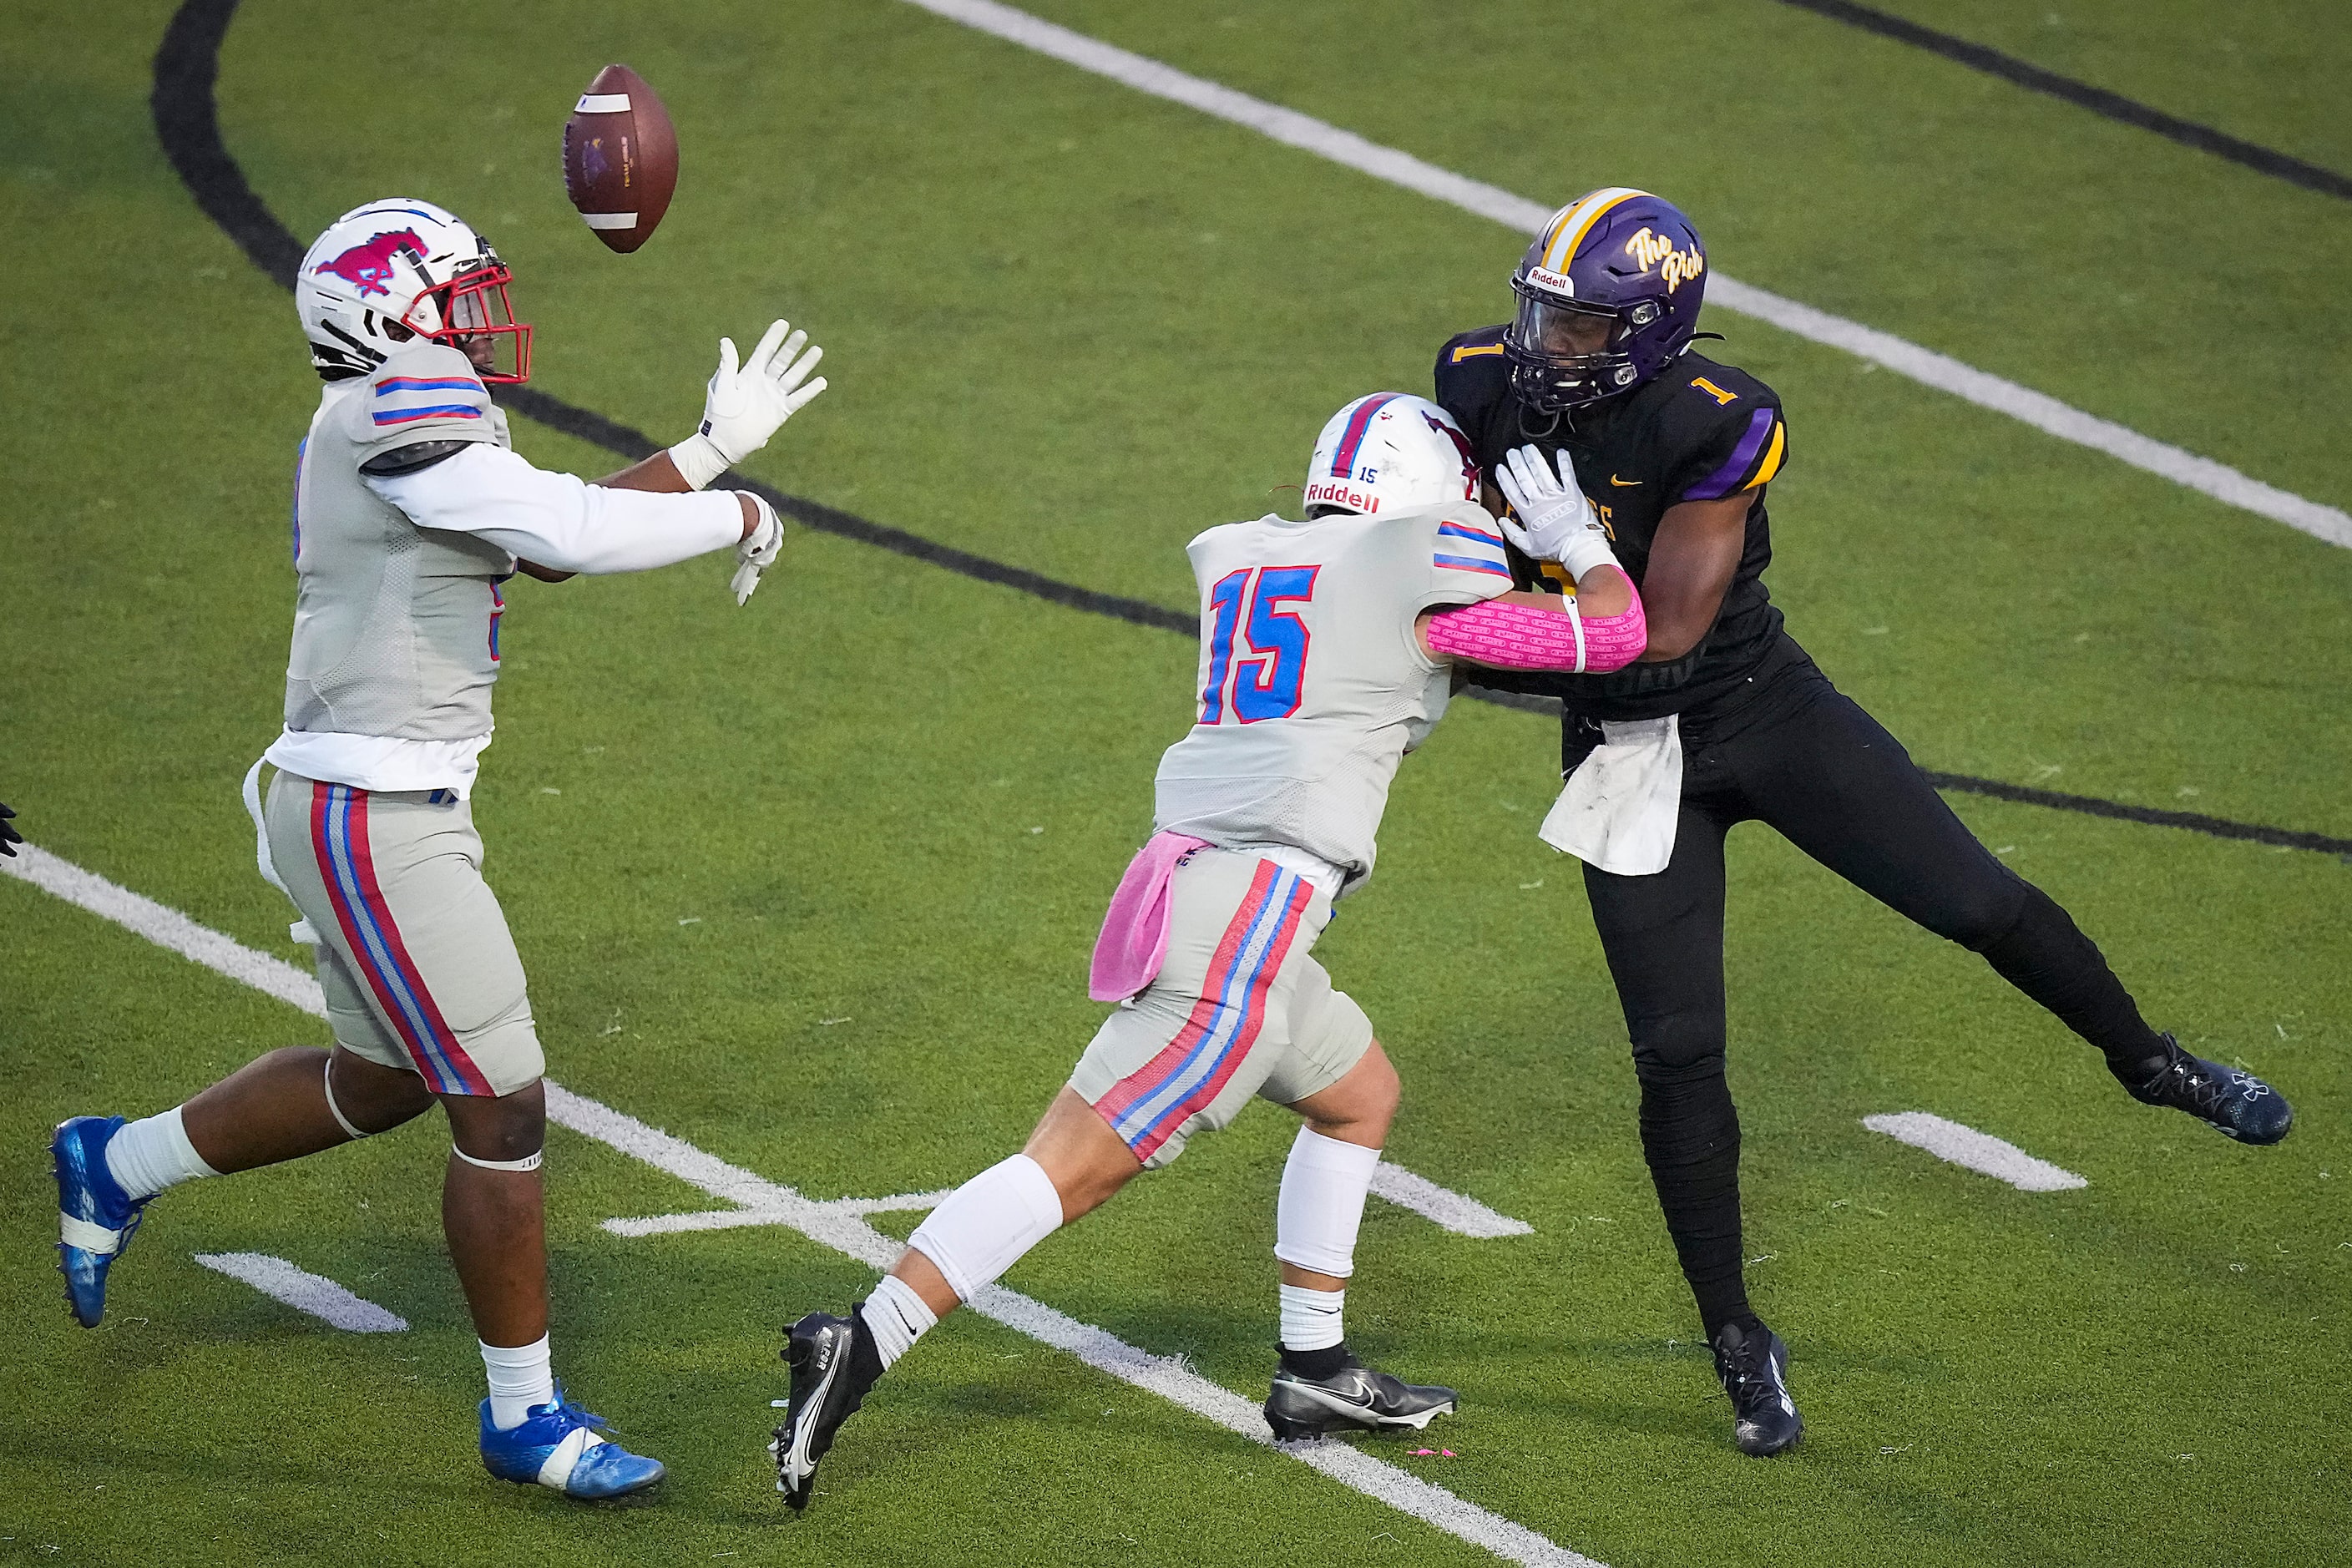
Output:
(2083, 95)
(187, 65)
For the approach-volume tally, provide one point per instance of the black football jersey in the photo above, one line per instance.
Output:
(1697, 430)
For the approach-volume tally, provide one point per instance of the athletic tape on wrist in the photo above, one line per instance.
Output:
(327, 1076)
(528, 1162)
(699, 460)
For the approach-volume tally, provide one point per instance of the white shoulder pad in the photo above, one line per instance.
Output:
(429, 392)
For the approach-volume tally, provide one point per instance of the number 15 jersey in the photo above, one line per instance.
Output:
(1313, 685)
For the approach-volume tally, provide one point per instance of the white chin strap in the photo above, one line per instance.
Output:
(529, 1161)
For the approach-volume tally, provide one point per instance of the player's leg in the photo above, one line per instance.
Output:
(1071, 1165)
(282, 1106)
(1663, 936)
(393, 885)
(1320, 1386)
(986, 1224)
(1180, 1057)
(1830, 777)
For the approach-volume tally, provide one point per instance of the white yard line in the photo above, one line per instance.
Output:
(1979, 1152)
(166, 927)
(832, 1225)
(1941, 371)
(900, 1204)
(1442, 1206)
(305, 1291)
(1456, 1212)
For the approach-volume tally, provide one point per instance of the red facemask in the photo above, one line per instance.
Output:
(473, 307)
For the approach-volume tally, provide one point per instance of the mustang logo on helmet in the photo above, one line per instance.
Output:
(368, 267)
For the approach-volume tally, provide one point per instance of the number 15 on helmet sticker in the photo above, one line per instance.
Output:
(1266, 678)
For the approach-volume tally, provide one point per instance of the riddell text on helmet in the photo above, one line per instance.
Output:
(1340, 492)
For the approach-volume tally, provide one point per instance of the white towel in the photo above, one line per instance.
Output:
(1618, 809)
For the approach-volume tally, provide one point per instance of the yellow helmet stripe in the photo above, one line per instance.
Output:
(1571, 224)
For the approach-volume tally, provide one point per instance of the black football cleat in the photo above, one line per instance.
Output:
(1355, 1398)
(2233, 1103)
(1754, 1368)
(834, 1367)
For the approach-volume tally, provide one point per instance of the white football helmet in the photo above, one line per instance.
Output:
(397, 269)
(1390, 452)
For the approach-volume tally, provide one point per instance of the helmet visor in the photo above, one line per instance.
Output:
(1552, 330)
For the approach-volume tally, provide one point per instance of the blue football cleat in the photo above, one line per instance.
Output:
(95, 1217)
(557, 1446)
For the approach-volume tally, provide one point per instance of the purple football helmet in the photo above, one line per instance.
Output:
(1608, 293)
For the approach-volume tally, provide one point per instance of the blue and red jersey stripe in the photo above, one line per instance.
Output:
(1471, 564)
(438, 411)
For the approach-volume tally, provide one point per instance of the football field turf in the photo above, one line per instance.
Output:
(811, 885)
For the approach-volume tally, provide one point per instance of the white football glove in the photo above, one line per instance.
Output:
(759, 552)
(1555, 521)
(743, 407)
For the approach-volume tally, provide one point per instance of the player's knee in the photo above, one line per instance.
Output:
(1981, 913)
(510, 1127)
(1360, 1107)
(370, 1097)
(1678, 1048)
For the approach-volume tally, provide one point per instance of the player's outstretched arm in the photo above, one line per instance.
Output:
(560, 523)
(1522, 630)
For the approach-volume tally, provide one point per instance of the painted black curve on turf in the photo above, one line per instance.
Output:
(2083, 95)
(187, 66)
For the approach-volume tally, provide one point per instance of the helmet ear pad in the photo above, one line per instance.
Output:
(1390, 452)
(1622, 253)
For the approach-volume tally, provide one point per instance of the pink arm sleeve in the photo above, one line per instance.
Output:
(1520, 637)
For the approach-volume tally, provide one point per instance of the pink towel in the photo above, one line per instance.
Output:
(1134, 940)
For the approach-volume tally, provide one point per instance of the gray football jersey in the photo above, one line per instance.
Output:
(1312, 685)
(395, 627)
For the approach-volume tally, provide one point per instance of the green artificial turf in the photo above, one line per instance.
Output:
(812, 884)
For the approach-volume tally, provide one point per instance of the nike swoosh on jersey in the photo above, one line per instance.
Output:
(1624, 484)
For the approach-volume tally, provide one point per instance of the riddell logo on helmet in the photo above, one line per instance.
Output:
(1675, 267)
(368, 267)
(1339, 492)
(1559, 283)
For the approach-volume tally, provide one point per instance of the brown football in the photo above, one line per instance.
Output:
(620, 158)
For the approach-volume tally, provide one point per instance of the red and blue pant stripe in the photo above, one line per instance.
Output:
(1147, 1107)
(339, 838)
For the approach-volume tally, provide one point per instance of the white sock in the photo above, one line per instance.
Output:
(1322, 1203)
(1311, 1320)
(147, 1156)
(989, 1222)
(521, 1378)
(896, 1317)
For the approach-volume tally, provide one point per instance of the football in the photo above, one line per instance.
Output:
(620, 158)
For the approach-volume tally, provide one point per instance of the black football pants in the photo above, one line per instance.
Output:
(1802, 757)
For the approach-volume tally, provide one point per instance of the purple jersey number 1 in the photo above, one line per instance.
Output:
(1267, 680)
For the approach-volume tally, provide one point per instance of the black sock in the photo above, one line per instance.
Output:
(2046, 956)
(1315, 1365)
(864, 1361)
(1690, 1136)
